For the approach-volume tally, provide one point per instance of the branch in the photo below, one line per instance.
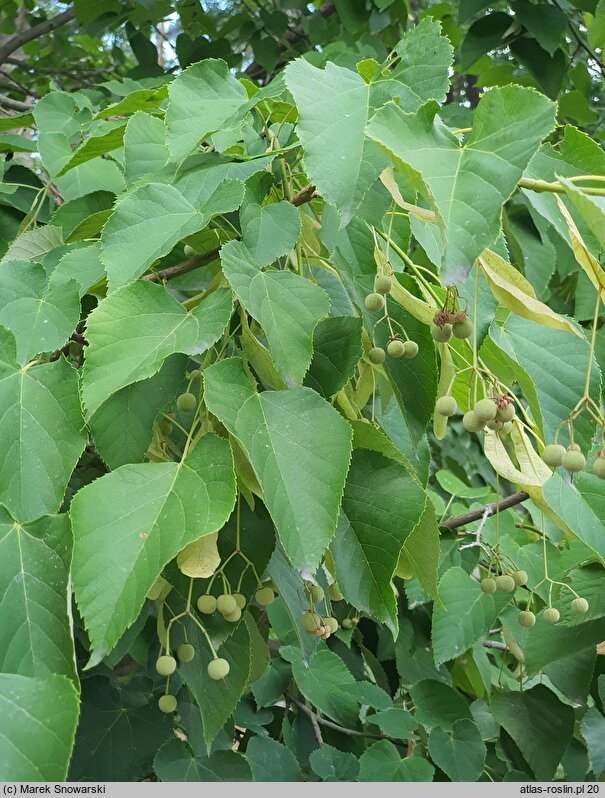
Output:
(181, 268)
(329, 725)
(19, 39)
(306, 194)
(14, 105)
(486, 510)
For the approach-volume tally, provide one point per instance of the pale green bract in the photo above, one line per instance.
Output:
(466, 185)
(299, 447)
(130, 523)
(286, 305)
(133, 330)
(41, 432)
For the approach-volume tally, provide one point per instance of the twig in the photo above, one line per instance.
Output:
(495, 644)
(19, 39)
(330, 725)
(14, 105)
(488, 509)
(306, 194)
(181, 268)
(477, 533)
(312, 717)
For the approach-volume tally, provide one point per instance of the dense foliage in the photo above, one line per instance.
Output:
(302, 443)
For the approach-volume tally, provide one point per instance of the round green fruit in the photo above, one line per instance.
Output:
(505, 413)
(551, 615)
(206, 604)
(186, 402)
(573, 460)
(226, 604)
(218, 668)
(189, 252)
(240, 600)
(185, 652)
(446, 406)
(506, 428)
(520, 577)
(462, 329)
(310, 622)
(334, 592)
(505, 583)
(553, 454)
(347, 623)
(316, 593)
(441, 334)
(264, 596)
(233, 617)
(165, 665)
(331, 623)
(377, 355)
(396, 348)
(526, 619)
(488, 585)
(374, 302)
(485, 410)
(167, 704)
(598, 466)
(382, 284)
(165, 426)
(579, 606)
(411, 349)
(470, 422)
(195, 375)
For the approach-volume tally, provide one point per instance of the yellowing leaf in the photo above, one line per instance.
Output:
(200, 559)
(415, 307)
(513, 291)
(387, 179)
(445, 377)
(591, 266)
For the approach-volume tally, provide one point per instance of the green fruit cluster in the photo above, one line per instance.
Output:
(396, 348)
(230, 605)
(504, 583)
(572, 459)
(495, 413)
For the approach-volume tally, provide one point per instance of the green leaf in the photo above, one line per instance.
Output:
(437, 704)
(269, 231)
(421, 549)
(34, 244)
(218, 699)
(39, 719)
(35, 628)
(336, 352)
(95, 146)
(395, 722)
(41, 313)
(381, 506)
(545, 23)
(141, 100)
(299, 448)
(460, 755)
(593, 731)
(326, 682)
(330, 764)
(383, 762)
(122, 427)
(148, 513)
(119, 732)
(334, 105)
(459, 182)
(540, 725)
(145, 151)
(41, 432)
(545, 354)
(175, 762)
(83, 265)
(569, 504)
(73, 213)
(286, 305)
(464, 617)
(148, 222)
(201, 99)
(133, 330)
(272, 761)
